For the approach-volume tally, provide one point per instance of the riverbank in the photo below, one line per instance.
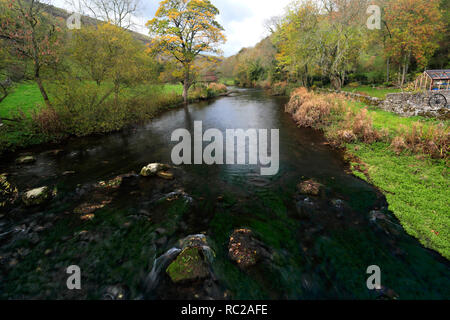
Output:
(406, 158)
(33, 123)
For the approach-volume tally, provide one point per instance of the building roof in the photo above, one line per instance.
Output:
(443, 74)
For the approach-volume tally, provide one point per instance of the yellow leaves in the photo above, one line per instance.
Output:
(186, 28)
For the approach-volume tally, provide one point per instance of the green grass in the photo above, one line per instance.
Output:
(227, 81)
(417, 190)
(373, 92)
(416, 186)
(391, 121)
(25, 97)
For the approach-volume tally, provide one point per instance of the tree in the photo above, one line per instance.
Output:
(326, 39)
(200, 67)
(108, 53)
(31, 34)
(3, 73)
(117, 12)
(415, 27)
(185, 29)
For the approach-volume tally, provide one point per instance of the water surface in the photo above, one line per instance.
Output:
(324, 256)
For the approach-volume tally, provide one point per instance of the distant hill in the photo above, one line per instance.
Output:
(264, 51)
(85, 20)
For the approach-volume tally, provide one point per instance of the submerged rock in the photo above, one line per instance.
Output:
(306, 208)
(197, 240)
(37, 196)
(177, 195)
(8, 192)
(161, 263)
(310, 187)
(26, 160)
(165, 175)
(114, 183)
(385, 293)
(90, 207)
(118, 292)
(384, 223)
(245, 249)
(152, 169)
(189, 265)
(55, 152)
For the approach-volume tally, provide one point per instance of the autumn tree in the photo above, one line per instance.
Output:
(200, 67)
(327, 39)
(3, 72)
(296, 39)
(107, 54)
(185, 29)
(415, 27)
(31, 34)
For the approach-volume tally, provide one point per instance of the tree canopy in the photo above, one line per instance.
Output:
(184, 29)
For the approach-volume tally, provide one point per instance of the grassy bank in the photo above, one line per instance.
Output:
(78, 109)
(406, 158)
(371, 91)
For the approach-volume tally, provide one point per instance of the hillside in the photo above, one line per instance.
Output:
(86, 20)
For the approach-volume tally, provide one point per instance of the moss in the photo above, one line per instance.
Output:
(189, 265)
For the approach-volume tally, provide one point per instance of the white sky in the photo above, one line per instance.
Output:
(243, 20)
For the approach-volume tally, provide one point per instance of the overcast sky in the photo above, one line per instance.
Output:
(243, 20)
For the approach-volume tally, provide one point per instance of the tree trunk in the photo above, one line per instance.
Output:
(37, 69)
(336, 82)
(42, 90)
(37, 78)
(387, 69)
(4, 94)
(186, 84)
(405, 68)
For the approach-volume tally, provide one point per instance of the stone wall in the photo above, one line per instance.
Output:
(360, 97)
(406, 104)
(415, 104)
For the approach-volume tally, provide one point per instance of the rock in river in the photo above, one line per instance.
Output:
(306, 208)
(245, 249)
(8, 192)
(152, 169)
(310, 187)
(37, 196)
(384, 223)
(165, 175)
(25, 160)
(189, 265)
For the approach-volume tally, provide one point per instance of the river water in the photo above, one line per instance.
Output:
(322, 256)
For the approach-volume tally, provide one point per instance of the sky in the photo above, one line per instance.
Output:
(243, 20)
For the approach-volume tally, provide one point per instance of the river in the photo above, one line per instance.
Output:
(322, 256)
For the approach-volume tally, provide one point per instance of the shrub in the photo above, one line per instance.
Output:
(345, 125)
(362, 127)
(433, 140)
(398, 144)
(217, 87)
(48, 121)
(313, 112)
(353, 85)
(280, 88)
(298, 97)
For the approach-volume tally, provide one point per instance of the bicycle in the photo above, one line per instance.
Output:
(437, 100)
